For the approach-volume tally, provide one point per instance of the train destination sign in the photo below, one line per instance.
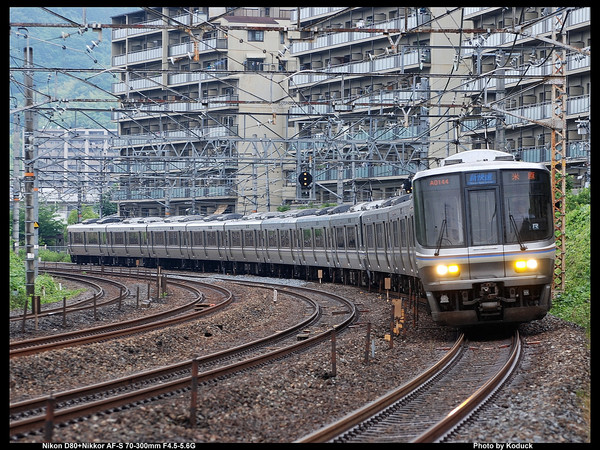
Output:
(477, 178)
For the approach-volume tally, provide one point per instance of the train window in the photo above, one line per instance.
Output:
(211, 238)
(319, 237)
(118, 238)
(260, 239)
(92, 237)
(379, 237)
(159, 237)
(284, 238)
(527, 205)
(172, 238)
(144, 238)
(403, 231)
(197, 238)
(235, 237)
(103, 240)
(395, 233)
(439, 211)
(77, 238)
(272, 238)
(133, 237)
(248, 238)
(307, 237)
(483, 215)
(351, 234)
(339, 237)
(370, 236)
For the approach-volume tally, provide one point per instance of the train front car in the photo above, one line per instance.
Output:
(485, 239)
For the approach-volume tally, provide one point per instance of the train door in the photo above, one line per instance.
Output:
(410, 243)
(222, 244)
(484, 241)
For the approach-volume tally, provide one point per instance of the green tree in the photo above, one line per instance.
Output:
(50, 226)
(87, 212)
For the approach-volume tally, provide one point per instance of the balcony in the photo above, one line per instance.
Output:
(396, 62)
(122, 33)
(187, 134)
(575, 106)
(174, 193)
(136, 85)
(576, 18)
(325, 41)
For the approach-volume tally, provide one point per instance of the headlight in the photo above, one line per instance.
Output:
(522, 265)
(450, 269)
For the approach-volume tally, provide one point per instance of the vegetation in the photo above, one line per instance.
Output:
(45, 285)
(574, 303)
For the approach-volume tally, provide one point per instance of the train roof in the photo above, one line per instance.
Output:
(473, 160)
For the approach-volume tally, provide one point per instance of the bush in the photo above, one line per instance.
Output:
(43, 283)
(574, 303)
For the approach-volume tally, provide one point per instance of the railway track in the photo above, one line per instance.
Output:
(30, 415)
(98, 292)
(434, 403)
(193, 309)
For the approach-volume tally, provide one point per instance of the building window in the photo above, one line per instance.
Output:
(254, 64)
(256, 35)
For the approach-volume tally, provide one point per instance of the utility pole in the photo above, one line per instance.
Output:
(29, 179)
(558, 138)
(16, 187)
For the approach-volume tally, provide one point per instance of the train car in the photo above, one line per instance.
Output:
(475, 237)
(279, 240)
(244, 243)
(484, 239)
(312, 233)
(401, 236)
(374, 225)
(87, 242)
(208, 240)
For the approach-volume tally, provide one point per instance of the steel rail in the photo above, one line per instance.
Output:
(80, 305)
(335, 429)
(79, 337)
(470, 405)
(66, 414)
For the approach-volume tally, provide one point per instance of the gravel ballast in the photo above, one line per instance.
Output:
(285, 400)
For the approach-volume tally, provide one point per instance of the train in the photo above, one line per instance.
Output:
(475, 237)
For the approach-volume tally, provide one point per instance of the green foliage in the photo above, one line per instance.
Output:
(574, 303)
(44, 284)
(87, 212)
(50, 256)
(17, 280)
(50, 226)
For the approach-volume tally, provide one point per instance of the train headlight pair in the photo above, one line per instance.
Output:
(447, 269)
(521, 265)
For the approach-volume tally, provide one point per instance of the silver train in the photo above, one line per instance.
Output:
(476, 237)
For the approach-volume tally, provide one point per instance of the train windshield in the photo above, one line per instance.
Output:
(527, 205)
(438, 204)
(509, 206)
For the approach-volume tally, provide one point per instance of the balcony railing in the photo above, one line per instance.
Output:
(121, 33)
(173, 193)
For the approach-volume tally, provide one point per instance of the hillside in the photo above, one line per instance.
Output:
(53, 50)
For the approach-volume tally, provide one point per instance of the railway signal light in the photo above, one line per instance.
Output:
(305, 179)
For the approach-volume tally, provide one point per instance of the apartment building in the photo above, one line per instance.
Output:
(74, 166)
(223, 116)
(371, 104)
(524, 102)
(198, 129)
